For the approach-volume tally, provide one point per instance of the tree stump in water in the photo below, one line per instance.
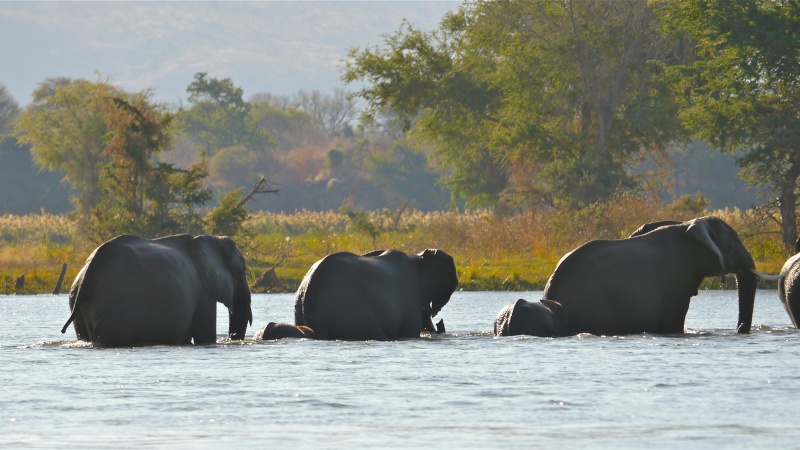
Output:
(57, 290)
(20, 284)
(266, 281)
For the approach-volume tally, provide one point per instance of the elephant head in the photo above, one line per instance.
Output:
(275, 330)
(221, 269)
(729, 256)
(438, 281)
(544, 318)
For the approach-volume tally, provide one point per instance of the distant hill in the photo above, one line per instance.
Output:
(278, 47)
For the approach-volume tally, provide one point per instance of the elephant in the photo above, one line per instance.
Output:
(789, 286)
(275, 330)
(135, 291)
(544, 318)
(382, 295)
(643, 284)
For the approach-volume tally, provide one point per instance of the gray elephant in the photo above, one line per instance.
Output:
(275, 330)
(544, 318)
(135, 291)
(643, 284)
(383, 295)
(789, 286)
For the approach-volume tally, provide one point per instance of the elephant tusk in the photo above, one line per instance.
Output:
(777, 277)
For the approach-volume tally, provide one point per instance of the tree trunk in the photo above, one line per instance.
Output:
(788, 208)
(19, 288)
(57, 290)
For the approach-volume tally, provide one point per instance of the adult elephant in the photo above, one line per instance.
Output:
(276, 330)
(135, 291)
(789, 286)
(382, 295)
(643, 284)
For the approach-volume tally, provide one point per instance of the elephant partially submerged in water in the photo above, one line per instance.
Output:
(789, 286)
(643, 284)
(382, 295)
(275, 330)
(135, 291)
(544, 318)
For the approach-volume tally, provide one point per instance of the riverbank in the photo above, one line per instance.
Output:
(492, 252)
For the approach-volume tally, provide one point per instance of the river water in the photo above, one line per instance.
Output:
(465, 389)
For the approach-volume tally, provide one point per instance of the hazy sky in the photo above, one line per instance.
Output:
(268, 46)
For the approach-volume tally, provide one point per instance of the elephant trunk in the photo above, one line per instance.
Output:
(239, 314)
(746, 284)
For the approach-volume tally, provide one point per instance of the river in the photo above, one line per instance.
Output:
(466, 389)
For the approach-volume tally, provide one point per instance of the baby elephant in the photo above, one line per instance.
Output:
(544, 318)
(275, 330)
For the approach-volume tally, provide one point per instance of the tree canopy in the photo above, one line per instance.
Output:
(742, 89)
(66, 130)
(106, 142)
(534, 102)
(218, 117)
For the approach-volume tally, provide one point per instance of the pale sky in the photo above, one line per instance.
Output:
(268, 46)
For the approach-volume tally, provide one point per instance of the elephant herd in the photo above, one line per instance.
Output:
(135, 291)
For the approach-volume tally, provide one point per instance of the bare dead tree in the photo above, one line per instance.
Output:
(263, 186)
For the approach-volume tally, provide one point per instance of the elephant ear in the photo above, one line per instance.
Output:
(439, 278)
(700, 231)
(210, 260)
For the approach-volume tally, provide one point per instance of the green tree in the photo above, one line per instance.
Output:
(106, 142)
(741, 92)
(66, 129)
(219, 116)
(280, 118)
(142, 196)
(528, 102)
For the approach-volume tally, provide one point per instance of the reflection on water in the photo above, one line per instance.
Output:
(707, 388)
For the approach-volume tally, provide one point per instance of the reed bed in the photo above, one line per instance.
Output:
(492, 252)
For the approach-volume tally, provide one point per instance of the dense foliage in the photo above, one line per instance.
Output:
(742, 89)
(529, 103)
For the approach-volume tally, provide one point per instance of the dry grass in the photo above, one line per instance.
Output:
(491, 252)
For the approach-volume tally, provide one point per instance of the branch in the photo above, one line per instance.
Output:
(283, 257)
(262, 187)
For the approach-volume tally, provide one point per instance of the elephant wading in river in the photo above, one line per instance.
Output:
(382, 295)
(544, 318)
(789, 286)
(643, 284)
(275, 330)
(135, 291)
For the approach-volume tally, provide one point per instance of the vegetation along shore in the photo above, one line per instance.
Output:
(492, 252)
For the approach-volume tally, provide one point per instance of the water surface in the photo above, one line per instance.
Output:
(708, 388)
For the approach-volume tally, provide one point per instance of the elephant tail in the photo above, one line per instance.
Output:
(69, 321)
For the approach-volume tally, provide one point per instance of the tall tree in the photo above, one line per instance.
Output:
(218, 117)
(143, 196)
(742, 92)
(66, 130)
(528, 102)
(9, 110)
(106, 141)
